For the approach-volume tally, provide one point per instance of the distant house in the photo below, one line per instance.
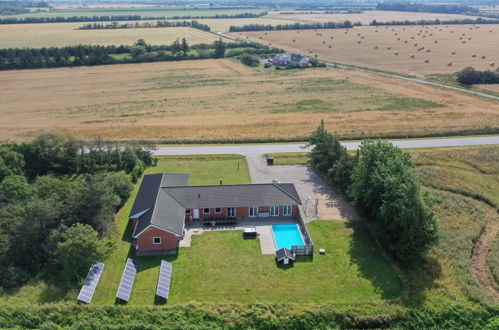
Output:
(165, 202)
(290, 59)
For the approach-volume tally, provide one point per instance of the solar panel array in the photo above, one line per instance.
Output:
(165, 275)
(88, 288)
(127, 280)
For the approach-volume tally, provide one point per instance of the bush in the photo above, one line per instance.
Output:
(249, 60)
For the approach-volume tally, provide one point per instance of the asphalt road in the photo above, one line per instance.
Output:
(276, 148)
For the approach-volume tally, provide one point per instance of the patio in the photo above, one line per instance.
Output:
(262, 225)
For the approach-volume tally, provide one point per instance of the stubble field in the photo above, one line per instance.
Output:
(415, 50)
(222, 100)
(365, 17)
(66, 34)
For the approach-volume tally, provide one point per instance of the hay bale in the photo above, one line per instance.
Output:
(492, 64)
(375, 47)
(332, 38)
(473, 55)
(449, 63)
(428, 51)
(427, 60)
(396, 53)
(359, 42)
(436, 41)
(483, 57)
(412, 55)
(453, 52)
(330, 46)
(323, 42)
(398, 39)
(405, 41)
(361, 37)
(388, 48)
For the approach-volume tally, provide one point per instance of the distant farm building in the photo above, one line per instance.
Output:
(290, 59)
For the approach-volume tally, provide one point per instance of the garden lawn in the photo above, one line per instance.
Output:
(203, 170)
(223, 267)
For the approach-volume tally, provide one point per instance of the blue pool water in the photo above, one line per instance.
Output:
(287, 235)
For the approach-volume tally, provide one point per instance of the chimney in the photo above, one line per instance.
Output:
(221, 181)
(199, 195)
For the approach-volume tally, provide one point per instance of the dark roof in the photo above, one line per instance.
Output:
(153, 206)
(237, 195)
(284, 253)
(163, 199)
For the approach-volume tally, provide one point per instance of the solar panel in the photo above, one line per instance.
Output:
(88, 288)
(165, 275)
(127, 280)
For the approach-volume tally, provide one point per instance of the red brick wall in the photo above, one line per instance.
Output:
(145, 240)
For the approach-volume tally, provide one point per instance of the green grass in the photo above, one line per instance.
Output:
(493, 261)
(223, 267)
(450, 80)
(231, 168)
(290, 158)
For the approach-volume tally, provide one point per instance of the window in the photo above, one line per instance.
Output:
(188, 211)
(231, 212)
(206, 211)
(287, 210)
(274, 210)
(218, 210)
(156, 240)
(253, 211)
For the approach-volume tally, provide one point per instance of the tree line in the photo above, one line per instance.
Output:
(20, 7)
(427, 8)
(383, 184)
(140, 52)
(58, 198)
(295, 26)
(478, 20)
(145, 25)
(60, 19)
(470, 76)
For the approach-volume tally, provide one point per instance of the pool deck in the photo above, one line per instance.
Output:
(263, 228)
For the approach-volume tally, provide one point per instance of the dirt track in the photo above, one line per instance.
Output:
(479, 259)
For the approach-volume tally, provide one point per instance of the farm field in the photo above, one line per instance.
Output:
(223, 100)
(490, 87)
(66, 34)
(365, 17)
(414, 50)
(142, 11)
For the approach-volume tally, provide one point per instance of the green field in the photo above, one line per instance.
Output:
(142, 11)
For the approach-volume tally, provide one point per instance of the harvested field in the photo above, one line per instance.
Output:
(64, 34)
(223, 100)
(366, 17)
(489, 87)
(413, 50)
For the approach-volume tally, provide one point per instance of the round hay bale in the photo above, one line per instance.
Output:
(484, 57)
(294, 40)
(396, 53)
(453, 52)
(415, 45)
(361, 37)
(330, 46)
(449, 63)
(388, 48)
(359, 42)
(463, 42)
(310, 52)
(323, 42)
(412, 55)
(261, 38)
(405, 41)
(473, 55)
(436, 41)
(469, 38)
(412, 37)
(492, 64)
(316, 55)
(332, 37)
(398, 39)
(375, 47)
(428, 51)
(490, 31)
(427, 60)
(358, 34)
(452, 31)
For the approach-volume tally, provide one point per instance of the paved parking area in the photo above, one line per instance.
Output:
(319, 201)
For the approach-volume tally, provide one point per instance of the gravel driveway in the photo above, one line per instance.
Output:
(311, 188)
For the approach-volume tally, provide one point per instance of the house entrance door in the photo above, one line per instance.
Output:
(196, 214)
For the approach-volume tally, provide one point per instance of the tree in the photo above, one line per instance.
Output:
(185, 46)
(78, 249)
(385, 187)
(137, 51)
(175, 47)
(219, 48)
(249, 60)
(469, 76)
(15, 189)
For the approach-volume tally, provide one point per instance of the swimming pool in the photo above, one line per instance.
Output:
(287, 235)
